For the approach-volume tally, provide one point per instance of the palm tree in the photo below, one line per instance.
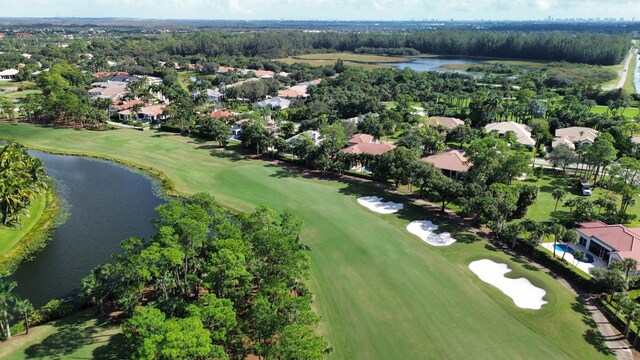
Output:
(569, 237)
(629, 309)
(6, 297)
(24, 308)
(578, 256)
(620, 298)
(556, 230)
(630, 265)
(558, 194)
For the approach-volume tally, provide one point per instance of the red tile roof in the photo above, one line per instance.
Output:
(220, 114)
(453, 160)
(624, 241)
(369, 148)
(126, 104)
(360, 138)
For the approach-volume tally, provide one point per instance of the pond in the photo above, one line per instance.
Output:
(432, 63)
(107, 204)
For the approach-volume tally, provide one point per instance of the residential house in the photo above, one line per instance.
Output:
(574, 136)
(264, 74)
(214, 95)
(312, 134)
(364, 144)
(9, 74)
(218, 114)
(298, 91)
(610, 242)
(108, 90)
(119, 105)
(522, 132)
(225, 69)
(451, 162)
(448, 123)
(274, 102)
(146, 114)
(236, 129)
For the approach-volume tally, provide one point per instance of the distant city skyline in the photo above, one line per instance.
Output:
(326, 9)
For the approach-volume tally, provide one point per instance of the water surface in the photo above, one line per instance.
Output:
(107, 203)
(431, 63)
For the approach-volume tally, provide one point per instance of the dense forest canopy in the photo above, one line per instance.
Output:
(579, 47)
(590, 48)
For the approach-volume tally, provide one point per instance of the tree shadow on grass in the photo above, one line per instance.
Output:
(221, 153)
(71, 335)
(113, 350)
(283, 173)
(594, 338)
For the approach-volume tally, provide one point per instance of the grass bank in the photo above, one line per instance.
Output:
(381, 292)
(79, 336)
(20, 242)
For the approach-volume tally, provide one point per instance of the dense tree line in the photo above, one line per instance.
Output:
(212, 284)
(590, 48)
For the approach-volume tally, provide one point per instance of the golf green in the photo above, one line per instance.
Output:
(382, 292)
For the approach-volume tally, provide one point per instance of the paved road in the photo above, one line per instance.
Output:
(623, 74)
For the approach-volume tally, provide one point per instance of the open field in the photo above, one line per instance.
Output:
(382, 293)
(11, 235)
(628, 113)
(551, 179)
(325, 62)
(366, 58)
(80, 336)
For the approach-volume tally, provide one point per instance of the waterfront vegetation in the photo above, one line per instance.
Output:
(402, 274)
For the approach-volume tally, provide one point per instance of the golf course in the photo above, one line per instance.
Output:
(381, 292)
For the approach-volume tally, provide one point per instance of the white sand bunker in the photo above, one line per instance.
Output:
(424, 229)
(376, 204)
(523, 293)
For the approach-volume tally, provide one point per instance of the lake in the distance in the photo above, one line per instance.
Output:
(431, 64)
(107, 204)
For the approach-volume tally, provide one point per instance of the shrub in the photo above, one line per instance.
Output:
(56, 309)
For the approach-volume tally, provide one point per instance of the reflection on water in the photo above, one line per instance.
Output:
(107, 204)
(431, 64)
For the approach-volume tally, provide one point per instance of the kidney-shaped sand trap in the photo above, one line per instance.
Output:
(376, 204)
(424, 229)
(523, 293)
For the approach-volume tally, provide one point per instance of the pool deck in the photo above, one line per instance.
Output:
(585, 267)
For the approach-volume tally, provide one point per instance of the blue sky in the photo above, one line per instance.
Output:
(324, 9)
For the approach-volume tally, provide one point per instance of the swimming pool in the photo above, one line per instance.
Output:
(563, 247)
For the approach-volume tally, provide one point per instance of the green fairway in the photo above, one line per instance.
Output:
(11, 235)
(80, 336)
(628, 113)
(382, 293)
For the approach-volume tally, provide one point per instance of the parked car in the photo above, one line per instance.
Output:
(584, 187)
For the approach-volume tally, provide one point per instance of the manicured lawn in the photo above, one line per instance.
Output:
(382, 293)
(80, 336)
(11, 235)
(543, 207)
(21, 94)
(628, 113)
